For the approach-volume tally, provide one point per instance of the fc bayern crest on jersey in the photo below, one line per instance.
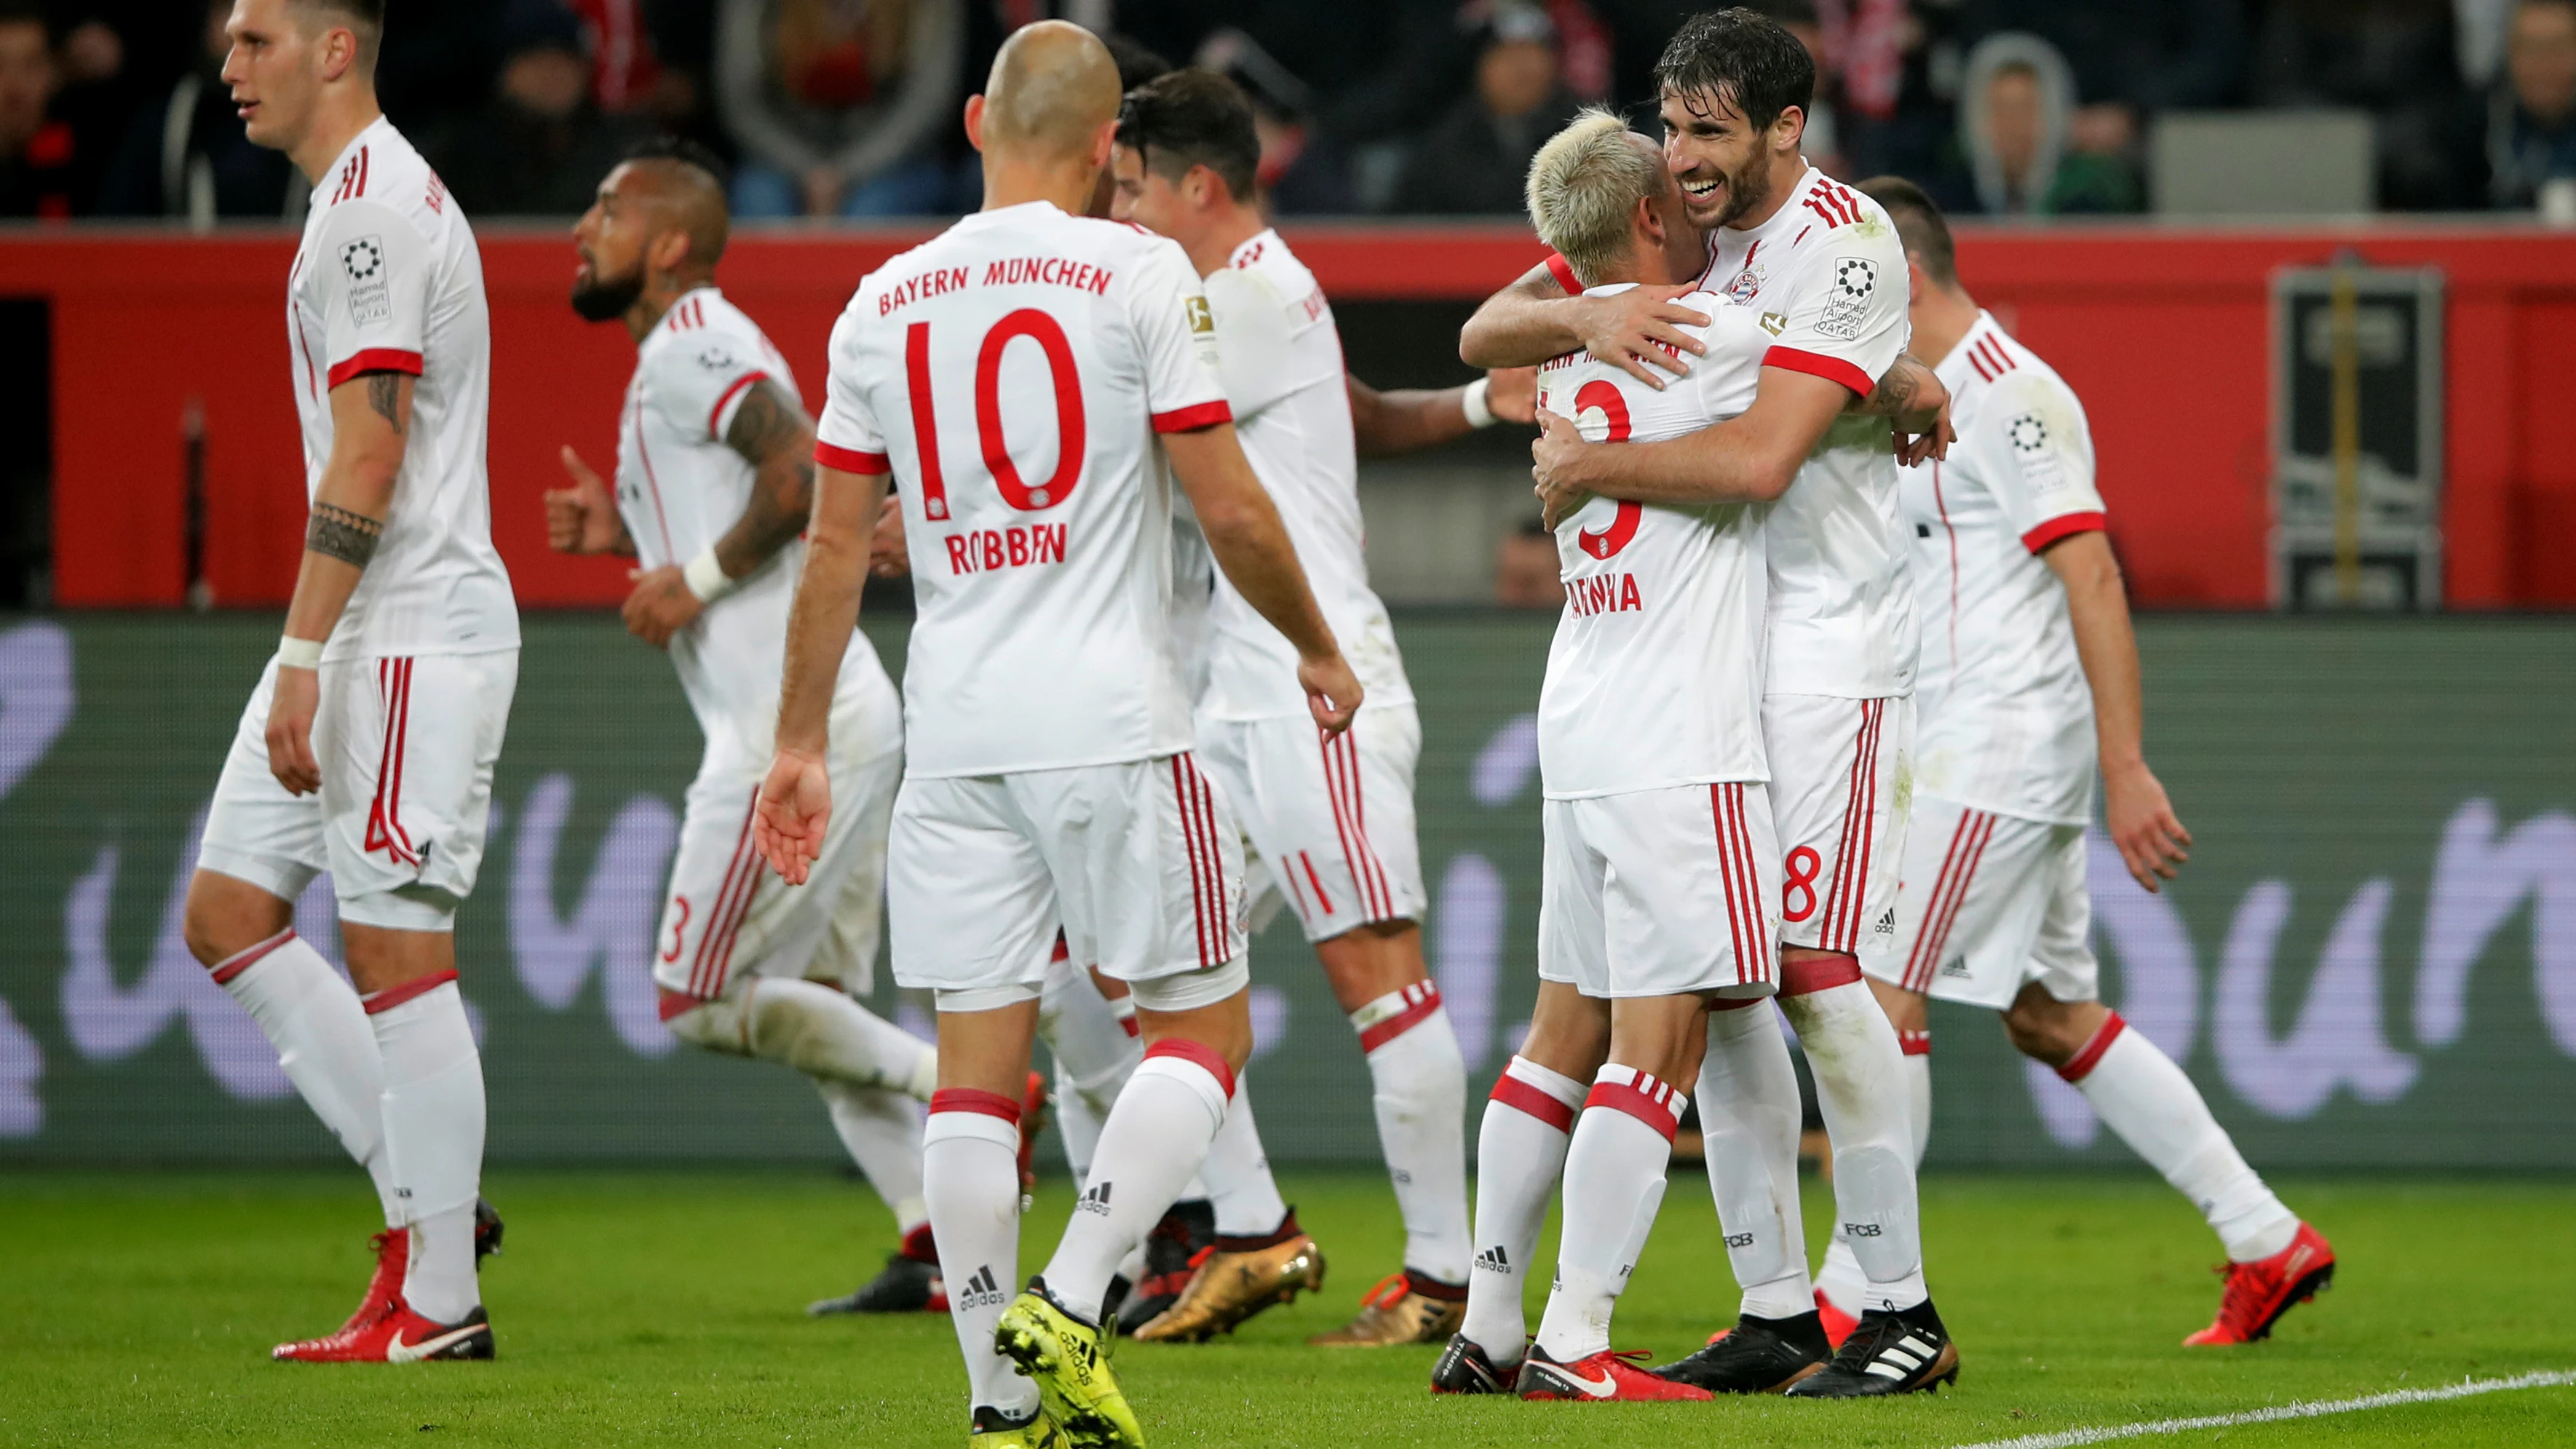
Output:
(370, 300)
(1746, 286)
(1855, 282)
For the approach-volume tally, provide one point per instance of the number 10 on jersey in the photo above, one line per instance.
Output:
(1042, 329)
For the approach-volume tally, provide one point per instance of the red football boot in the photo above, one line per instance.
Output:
(396, 1335)
(1601, 1377)
(1838, 1324)
(393, 1259)
(2258, 1293)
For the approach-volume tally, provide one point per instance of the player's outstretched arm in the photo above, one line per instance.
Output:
(2142, 823)
(1534, 319)
(773, 435)
(796, 800)
(1251, 544)
(370, 420)
(1388, 424)
(1746, 459)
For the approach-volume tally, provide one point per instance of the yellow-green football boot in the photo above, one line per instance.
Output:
(1070, 1361)
(996, 1430)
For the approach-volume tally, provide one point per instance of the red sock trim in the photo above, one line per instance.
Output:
(1914, 1043)
(920, 1247)
(1646, 1099)
(1735, 1003)
(1416, 1281)
(1204, 1056)
(2081, 1065)
(1807, 975)
(393, 996)
(1520, 1096)
(678, 1003)
(1127, 1019)
(1255, 1242)
(240, 961)
(1420, 1000)
(976, 1099)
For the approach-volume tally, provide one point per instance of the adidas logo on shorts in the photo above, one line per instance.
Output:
(1095, 1199)
(982, 1290)
(1886, 922)
(1955, 966)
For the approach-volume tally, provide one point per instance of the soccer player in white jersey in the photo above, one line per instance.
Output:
(1332, 814)
(1816, 265)
(367, 749)
(1027, 377)
(715, 477)
(2029, 682)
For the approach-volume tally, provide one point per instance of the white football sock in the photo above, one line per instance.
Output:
(881, 1130)
(1236, 1175)
(816, 1029)
(1077, 1121)
(1151, 1146)
(433, 1114)
(1094, 1049)
(1420, 1079)
(1749, 1115)
(1520, 1153)
(971, 1172)
(323, 1043)
(1917, 1049)
(1614, 1181)
(1860, 1085)
(2136, 1089)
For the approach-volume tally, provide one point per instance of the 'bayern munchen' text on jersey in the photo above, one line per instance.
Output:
(1013, 373)
(1281, 359)
(680, 488)
(388, 280)
(1655, 675)
(2006, 718)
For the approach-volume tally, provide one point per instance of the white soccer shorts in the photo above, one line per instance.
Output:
(1330, 815)
(1140, 863)
(1841, 784)
(407, 748)
(1989, 904)
(1661, 892)
(727, 915)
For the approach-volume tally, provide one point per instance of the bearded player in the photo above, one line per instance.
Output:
(715, 478)
(2030, 687)
(1026, 377)
(368, 747)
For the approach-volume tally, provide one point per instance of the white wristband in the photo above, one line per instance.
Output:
(294, 653)
(706, 578)
(1479, 415)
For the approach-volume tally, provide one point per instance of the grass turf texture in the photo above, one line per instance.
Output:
(665, 1309)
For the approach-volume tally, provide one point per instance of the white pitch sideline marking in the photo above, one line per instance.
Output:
(2293, 1410)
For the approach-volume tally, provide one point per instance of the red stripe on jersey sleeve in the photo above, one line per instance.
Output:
(1563, 270)
(715, 419)
(2065, 525)
(1816, 364)
(376, 359)
(1191, 419)
(850, 460)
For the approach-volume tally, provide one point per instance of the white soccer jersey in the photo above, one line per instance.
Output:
(1013, 373)
(1824, 281)
(388, 280)
(1281, 359)
(680, 487)
(2007, 718)
(1655, 675)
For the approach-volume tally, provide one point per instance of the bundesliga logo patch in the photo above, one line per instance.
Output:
(370, 300)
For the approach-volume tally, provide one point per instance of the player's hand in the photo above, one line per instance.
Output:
(793, 811)
(582, 518)
(1623, 329)
(1511, 393)
(290, 730)
(1332, 691)
(887, 558)
(1552, 460)
(2152, 842)
(1913, 449)
(660, 605)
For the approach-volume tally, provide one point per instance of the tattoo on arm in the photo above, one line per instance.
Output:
(1895, 394)
(384, 394)
(766, 423)
(771, 432)
(349, 536)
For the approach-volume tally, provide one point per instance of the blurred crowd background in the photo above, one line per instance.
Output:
(849, 108)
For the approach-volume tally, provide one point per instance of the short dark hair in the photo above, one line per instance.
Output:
(682, 151)
(1746, 59)
(1189, 118)
(1136, 63)
(1918, 225)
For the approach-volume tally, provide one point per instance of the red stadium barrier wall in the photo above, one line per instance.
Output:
(2163, 333)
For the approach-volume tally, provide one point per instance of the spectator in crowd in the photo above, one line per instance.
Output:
(2531, 132)
(1822, 142)
(1302, 172)
(627, 74)
(539, 146)
(1476, 160)
(438, 61)
(2128, 58)
(840, 106)
(2016, 127)
(2394, 59)
(1527, 572)
(187, 155)
(36, 151)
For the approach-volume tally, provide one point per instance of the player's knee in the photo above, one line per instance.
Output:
(2044, 1029)
(715, 1025)
(224, 918)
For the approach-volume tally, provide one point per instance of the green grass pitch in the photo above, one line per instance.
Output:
(666, 1309)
